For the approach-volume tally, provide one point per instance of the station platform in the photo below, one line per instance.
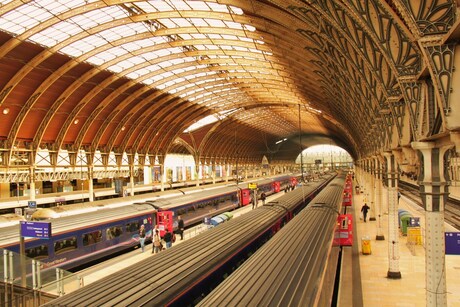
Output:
(364, 279)
(365, 282)
(115, 264)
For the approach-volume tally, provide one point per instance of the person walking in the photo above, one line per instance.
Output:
(168, 238)
(180, 227)
(156, 246)
(364, 209)
(142, 237)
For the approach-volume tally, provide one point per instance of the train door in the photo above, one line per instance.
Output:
(347, 198)
(345, 229)
(164, 220)
(245, 197)
(276, 187)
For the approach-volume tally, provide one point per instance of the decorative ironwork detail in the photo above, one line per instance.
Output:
(4, 93)
(432, 16)
(412, 97)
(397, 110)
(441, 60)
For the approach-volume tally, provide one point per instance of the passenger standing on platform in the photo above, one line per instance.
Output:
(142, 237)
(156, 246)
(168, 238)
(180, 227)
(263, 197)
(364, 210)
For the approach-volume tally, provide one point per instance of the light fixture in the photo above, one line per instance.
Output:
(123, 128)
(6, 111)
(76, 121)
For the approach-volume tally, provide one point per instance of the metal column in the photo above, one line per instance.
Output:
(393, 230)
(434, 192)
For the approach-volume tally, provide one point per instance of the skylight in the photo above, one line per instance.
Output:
(210, 119)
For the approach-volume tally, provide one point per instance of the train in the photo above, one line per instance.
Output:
(273, 184)
(185, 273)
(80, 239)
(65, 198)
(297, 267)
(348, 191)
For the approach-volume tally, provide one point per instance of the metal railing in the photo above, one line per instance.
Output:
(26, 283)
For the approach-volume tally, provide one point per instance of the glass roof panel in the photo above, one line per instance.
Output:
(180, 5)
(168, 23)
(161, 5)
(199, 5)
(128, 51)
(199, 22)
(233, 25)
(198, 36)
(181, 22)
(203, 122)
(215, 23)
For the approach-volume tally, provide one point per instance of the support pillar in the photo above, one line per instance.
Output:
(162, 176)
(378, 199)
(213, 169)
(372, 189)
(90, 183)
(393, 230)
(131, 178)
(433, 191)
(365, 182)
(32, 183)
(197, 172)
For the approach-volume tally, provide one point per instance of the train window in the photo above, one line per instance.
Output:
(132, 227)
(37, 252)
(92, 237)
(181, 211)
(65, 245)
(113, 232)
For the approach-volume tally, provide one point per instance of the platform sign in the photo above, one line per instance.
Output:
(41, 230)
(452, 243)
(32, 204)
(414, 222)
(252, 186)
(18, 211)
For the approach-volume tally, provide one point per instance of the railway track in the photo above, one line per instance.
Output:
(451, 208)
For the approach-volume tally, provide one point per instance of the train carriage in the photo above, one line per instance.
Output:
(78, 241)
(306, 277)
(183, 274)
(85, 237)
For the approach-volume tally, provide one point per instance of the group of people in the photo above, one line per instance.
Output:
(169, 237)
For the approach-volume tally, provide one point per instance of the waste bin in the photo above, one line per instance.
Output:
(405, 219)
(414, 236)
(401, 212)
(366, 245)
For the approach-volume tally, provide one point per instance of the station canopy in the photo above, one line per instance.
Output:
(216, 79)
